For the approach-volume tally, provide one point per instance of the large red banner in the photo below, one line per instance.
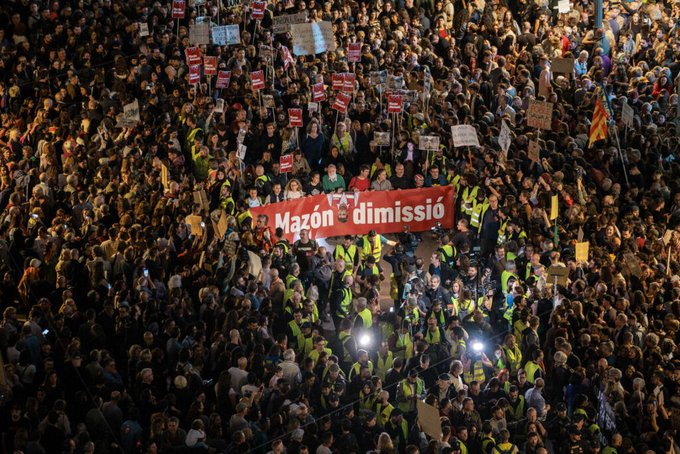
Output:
(356, 213)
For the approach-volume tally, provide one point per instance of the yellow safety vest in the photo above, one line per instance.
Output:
(384, 413)
(241, 218)
(346, 356)
(505, 277)
(346, 254)
(433, 338)
(477, 374)
(456, 349)
(308, 345)
(501, 232)
(228, 205)
(314, 354)
(404, 346)
(448, 254)
(454, 181)
(383, 365)
(343, 310)
(477, 214)
(531, 368)
(366, 318)
(469, 196)
(366, 401)
(356, 369)
(409, 405)
(375, 249)
(297, 333)
(514, 358)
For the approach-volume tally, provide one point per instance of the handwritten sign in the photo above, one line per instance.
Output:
(563, 6)
(382, 139)
(286, 163)
(131, 112)
(354, 52)
(562, 65)
(281, 24)
(534, 151)
(143, 29)
(540, 115)
(428, 417)
(313, 38)
(223, 79)
(464, 136)
(504, 138)
(226, 35)
(430, 143)
(210, 65)
(627, 114)
(199, 34)
(295, 116)
(582, 250)
(394, 103)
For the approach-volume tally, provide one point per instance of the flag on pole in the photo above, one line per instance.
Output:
(598, 127)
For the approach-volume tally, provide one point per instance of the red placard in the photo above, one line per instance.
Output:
(295, 116)
(257, 80)
(382, 211)
(341, 102)
(178, 9)
(318, 92)
(193, 55)
(394, 103)
(258, 10)
(194, 74)
(223, 79)
(287, 58)
(354, 53)
(209, 65)
(337, 81)
(348, 83)
(286, 163)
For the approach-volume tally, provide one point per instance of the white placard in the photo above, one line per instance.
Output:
(219, 105)
(143, 29)
(281, 24)
(312, 39)
(312, 107)
(539, 114)
(241, 151)
(464, 136)
(563, 6)
(428, 143)
(382, 139)
(226, 35)
(131, 111)
(504, 138)
(627, 114)
(199, 34)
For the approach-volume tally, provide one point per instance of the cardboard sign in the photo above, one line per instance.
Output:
(226, 35)
(143, 29)
(178, 9)
(348, 82)
(428, 418)
(195, 224)
(582, 250)
(199, 34)
(286, 163)
(318, 92)
(563, 6)
(504, 138)
(580, 235)
(354, 52)
(165, 177)
(464, 136)
(268, 101)
(312, 107)
(554, 207)
(219, 105)
(430, 143)
(313, 38)
(281, 24)
(295, 116)
(337, 81)
(230, 248)
(627, 114)
(257, 80)
(534, 151)
(254, 264)
(131, 112)
(258, 10)
(223, 79)
(559, 274)
(394, 103)
(194, 74)
(382, 139)
(539, 115)
(341, 102)
(193, 56)
(200, 198)
(562, 65)
(210, 65)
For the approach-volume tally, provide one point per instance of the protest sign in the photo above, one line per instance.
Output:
(337, 81)
(582, 250)
(313, 38)
(223, 79)
(210, 65)
(348, 82)
(199, 34)
(257, 12)
(540, 114)
(286, 163)
(257, 80)
(312, 107)
(428, 417)
(295, 116)
(563, 6)
(219, 105)
(195, 224)
(178, 9)
(627, 114)
(394, 103)
(131, 112)
(241, 152)
(382, 139)
(464, 136)
(318, 92)
(554, 207)
(428, 143)
(534, 151)
(165, 177)
(143, 29)
(194, 74)
(562, 65)
(354, 52)
(341, 102)
(226, 35)
(504, 138)
(193, 56)
(281, 24)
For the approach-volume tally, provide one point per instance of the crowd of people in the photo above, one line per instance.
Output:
(130, 327)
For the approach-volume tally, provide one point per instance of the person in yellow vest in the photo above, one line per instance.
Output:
(516, 409)
(364, 318)
(291, 304)
(362, 360)
(397, 428)
(535, 368)
(504, 446)
(409, 391)
(468, 195)
(512, 355)
(474, 363)
(488, 442)
(452, 177)
(510, 272)
(244, 216)
(479, 207)
(347, 252)
(383, 360)
(307, 338)
(458, 346)
(295, 336)
(383, 407)
(319, 346)
(439, 313)
(293, 275)
(367, 396)
(447, 252)
(402, 342)
(614, 446)
(372, 244)
(367, 270)
(349, 345)
(434, 335)
(341, 302)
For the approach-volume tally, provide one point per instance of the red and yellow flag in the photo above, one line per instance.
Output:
(598, 127)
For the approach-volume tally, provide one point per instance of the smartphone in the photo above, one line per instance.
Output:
(202, 225)
(46, 332)
(34, 216)
(146, 272)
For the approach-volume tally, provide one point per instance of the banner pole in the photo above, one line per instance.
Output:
(623, 161)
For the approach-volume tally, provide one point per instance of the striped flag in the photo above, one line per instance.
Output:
(598, 127)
